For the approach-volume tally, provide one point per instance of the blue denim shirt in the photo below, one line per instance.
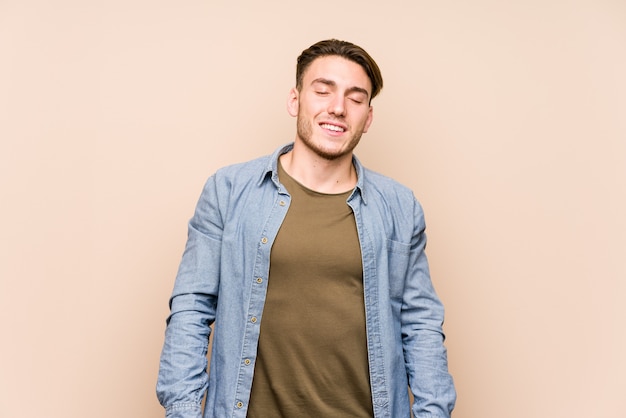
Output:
(223, 279)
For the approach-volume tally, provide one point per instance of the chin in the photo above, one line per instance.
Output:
(333, 153)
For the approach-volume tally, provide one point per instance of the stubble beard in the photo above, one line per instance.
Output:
(305, 133)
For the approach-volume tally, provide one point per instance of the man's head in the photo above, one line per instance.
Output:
(335, 84)
(347, 50)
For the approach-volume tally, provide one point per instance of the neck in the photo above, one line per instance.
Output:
(319, 174)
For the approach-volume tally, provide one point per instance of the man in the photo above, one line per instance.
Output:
(313, 269)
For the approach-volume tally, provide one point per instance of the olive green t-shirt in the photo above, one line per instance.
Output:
(312, 353)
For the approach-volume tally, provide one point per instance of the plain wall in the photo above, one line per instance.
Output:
(507, 119)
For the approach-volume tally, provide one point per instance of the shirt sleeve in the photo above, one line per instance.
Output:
(422, 335)
(183, 380)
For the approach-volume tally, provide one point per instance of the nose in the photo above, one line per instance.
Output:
(336, 106)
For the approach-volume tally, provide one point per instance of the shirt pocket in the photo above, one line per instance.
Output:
(397, 265)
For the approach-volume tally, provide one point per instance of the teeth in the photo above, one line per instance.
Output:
(332, 127)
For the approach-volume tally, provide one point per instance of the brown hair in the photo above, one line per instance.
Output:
(345, 50)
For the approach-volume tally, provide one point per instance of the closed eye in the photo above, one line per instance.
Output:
(357, 98)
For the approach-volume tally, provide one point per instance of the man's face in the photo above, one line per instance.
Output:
(332, 106)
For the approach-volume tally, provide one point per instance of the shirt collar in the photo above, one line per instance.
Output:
(272, 169)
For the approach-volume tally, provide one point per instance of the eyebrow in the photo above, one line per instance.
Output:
(331, 83)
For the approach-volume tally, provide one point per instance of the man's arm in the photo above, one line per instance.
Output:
(422, 335)
(183, 380)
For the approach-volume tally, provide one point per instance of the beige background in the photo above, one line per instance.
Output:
(507, 118)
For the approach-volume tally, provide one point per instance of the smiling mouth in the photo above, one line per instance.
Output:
(333, 128)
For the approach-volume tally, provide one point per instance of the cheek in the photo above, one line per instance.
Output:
(367, 125)
(368, 120)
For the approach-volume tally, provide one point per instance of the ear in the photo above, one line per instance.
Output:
(293, 102)
(368, 121)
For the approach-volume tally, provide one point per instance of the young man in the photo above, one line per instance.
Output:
(313, 269)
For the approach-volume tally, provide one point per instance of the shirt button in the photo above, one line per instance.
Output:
(247, 362)
(259, 280)
(264, 240)
(282, 203)
(253, 319)
(239, 404)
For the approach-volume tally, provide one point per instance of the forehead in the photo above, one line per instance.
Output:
(341, 71)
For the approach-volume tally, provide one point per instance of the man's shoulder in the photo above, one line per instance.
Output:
(384, 184)
(389, 194)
